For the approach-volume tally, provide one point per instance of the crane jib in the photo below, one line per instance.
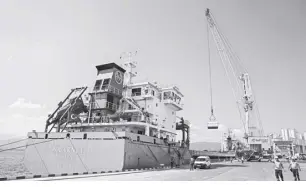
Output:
(238, 78)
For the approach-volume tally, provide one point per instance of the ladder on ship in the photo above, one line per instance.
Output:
(133, 103)
(136, 106)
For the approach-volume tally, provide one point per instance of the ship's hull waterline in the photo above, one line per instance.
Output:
(69, 155)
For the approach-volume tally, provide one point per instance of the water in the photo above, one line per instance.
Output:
(11, 164)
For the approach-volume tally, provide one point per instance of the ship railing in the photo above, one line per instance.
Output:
(136, 94)
(108, 88)
(170, 101)
(111, 106)
(174, 99)
(114, 90)
(99, 119)
(105, 104)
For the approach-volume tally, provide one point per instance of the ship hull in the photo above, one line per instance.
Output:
(71, 155)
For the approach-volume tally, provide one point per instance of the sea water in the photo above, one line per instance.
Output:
(11, 164)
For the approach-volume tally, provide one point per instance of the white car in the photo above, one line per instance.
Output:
(202, 162)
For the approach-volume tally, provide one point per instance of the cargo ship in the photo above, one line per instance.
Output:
(118, 124)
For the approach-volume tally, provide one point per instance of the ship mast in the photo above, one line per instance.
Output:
(129, 66)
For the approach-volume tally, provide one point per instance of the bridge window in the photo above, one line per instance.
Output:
(105, 84)
(98, 84)
(167, 95)
(106, 81)
(178, 100)
(136, 92)
(100, 96)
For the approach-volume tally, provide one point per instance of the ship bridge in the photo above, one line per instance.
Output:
(172, 98)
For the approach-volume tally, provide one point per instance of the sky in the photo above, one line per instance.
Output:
(50, 47)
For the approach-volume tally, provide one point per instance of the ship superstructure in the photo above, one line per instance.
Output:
(141, 108)
(118, 125)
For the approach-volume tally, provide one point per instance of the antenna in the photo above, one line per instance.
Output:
(129, 64)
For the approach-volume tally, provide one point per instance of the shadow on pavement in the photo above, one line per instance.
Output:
(215, 166)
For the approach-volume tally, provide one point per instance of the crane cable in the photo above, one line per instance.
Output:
(233, 54)
(212, 117)
(239, 63)
(227, 73)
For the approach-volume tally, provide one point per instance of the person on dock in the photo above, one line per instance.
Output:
(278, 169)
(191, 163)
(294, 167)
(172, 162)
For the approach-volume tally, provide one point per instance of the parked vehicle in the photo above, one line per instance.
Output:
(302, 156)
(257, 156)
(202, 162)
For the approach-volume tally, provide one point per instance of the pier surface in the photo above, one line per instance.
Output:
(226, 171)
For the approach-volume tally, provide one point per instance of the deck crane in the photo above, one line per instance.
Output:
(239, 80)
(184, 126)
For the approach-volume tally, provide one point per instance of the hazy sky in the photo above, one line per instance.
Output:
(49, 47)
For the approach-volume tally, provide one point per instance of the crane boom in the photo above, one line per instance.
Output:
(239, 80)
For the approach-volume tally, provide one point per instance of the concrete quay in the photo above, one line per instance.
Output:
(222, 171)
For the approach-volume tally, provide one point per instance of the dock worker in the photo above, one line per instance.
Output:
(278, 169)
(294, 167)
(191, 163)
(172, 162)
